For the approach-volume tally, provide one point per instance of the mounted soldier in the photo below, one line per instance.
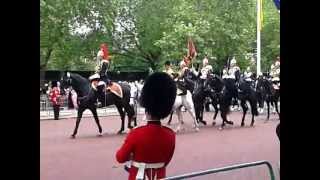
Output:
(206, 69)
(234, 68)
(181, 87)
(103, 63)
(275, 73)
(168, 69)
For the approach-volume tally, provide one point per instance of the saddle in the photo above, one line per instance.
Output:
(181, 88)
(115, 88)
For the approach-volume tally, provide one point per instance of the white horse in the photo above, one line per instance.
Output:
(187, 102)
(181, 100)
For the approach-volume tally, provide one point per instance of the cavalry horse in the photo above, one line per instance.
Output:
(247, 93)
(185, 100)
(87, 98)
(268, 93)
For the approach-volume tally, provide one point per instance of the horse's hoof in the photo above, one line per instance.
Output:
(120, 132)
(220, 128)
(197, 129)
(230, 122)
(99, 135)
(213, 123)
(204, 122)
(242, 124)
(130, 127)
(182, 122)
(251, 124)
(72, 136)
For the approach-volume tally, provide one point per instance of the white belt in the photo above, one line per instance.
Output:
(142, 166)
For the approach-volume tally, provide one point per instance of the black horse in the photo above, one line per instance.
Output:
(216, 86)
(266, 92)
(87, 98)
(247, 93)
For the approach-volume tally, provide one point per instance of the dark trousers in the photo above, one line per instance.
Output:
(56, 109)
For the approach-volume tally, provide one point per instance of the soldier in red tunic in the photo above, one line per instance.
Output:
(150, 148)
(55, 99)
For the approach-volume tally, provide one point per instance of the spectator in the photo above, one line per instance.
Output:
(55, 99)
(150, 148)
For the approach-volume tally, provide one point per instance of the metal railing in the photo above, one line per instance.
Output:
(227, 168)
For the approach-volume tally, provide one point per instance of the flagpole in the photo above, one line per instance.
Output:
(258, 37)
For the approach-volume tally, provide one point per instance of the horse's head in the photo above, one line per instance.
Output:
(215, 82)
(80, 84)
(66, 81)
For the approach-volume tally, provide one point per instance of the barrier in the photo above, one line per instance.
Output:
(227, 168)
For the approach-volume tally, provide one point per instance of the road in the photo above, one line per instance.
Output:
(92, 157)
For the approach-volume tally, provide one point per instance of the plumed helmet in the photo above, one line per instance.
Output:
(94, 77)
(233, 61)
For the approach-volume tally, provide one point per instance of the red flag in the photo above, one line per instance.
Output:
(104, 48)
(191, 49)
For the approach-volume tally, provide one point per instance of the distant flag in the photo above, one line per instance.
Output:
(191, 49)
(277, 3)
(261, 15)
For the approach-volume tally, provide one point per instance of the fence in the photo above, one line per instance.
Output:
(227, 168)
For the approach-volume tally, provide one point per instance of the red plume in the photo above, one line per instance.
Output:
(105, 51)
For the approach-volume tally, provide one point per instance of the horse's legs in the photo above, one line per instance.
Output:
(245, 108)
(178, 111)
(276, 106)
(268, 109)
(190, 109)
(122, 116)
(197, 112)
(95, 115)
(201, 115)
(223, 115)
(216, 110)
(75, 131)
(130, 112)
(188, 104)
(170, 118)
(134, 118)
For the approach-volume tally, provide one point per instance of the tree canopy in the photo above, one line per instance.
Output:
(143, 34)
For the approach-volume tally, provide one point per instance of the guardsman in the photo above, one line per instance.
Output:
(148, 149)
(55, 96)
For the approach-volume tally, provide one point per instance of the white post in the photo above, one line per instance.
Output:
(258, 38)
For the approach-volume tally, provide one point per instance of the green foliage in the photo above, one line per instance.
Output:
(143, 34)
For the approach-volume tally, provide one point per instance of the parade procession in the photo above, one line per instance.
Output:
(159, 90)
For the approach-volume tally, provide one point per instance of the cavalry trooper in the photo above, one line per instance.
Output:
(103, 63)
(95, 83)
(233, 68)
(248, 76)
(168, 69)
(232, 75)
(184, 64)
(206, 69)
(275, 73)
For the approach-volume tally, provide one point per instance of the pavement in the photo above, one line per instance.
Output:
(89, 157)
(72, 113)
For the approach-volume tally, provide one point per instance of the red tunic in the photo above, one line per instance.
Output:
(54, 95)
(151, 143)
